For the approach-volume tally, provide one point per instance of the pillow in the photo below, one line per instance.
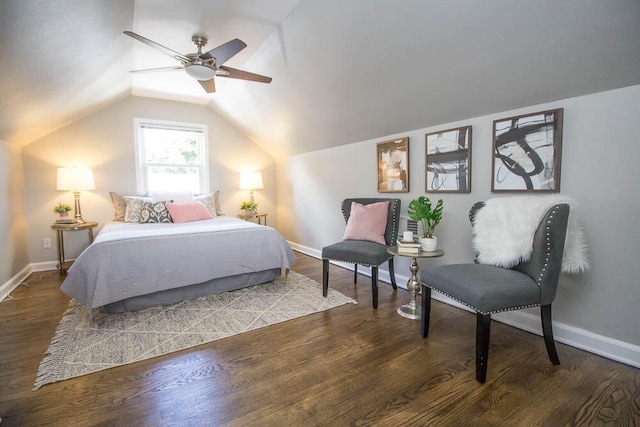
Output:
(133, 212)
(155, 212)
(367, 222)
(175, 196)
(187, 212)
(211, 202)
(119, 206)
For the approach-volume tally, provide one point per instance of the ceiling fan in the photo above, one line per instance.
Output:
(203, 66)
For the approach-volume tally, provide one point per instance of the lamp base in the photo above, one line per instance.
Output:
(77, 209)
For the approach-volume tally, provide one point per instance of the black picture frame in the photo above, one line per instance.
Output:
(527, 152)
(393, 166)
(448, 161)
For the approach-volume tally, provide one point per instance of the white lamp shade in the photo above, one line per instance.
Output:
(75, 179)
(251, 181)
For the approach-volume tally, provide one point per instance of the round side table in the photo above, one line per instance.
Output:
(60, 229)
(413, 310)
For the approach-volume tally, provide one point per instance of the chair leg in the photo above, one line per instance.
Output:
(392, 273)
(374, 286)
(483, 330)
(547, 331)
(355, 273)
(426, 310)
(325, 277)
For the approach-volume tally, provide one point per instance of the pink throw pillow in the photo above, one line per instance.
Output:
(367, 222)
(187, 212)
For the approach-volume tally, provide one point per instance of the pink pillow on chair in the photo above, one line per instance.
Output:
(187, 212)
(367, 222)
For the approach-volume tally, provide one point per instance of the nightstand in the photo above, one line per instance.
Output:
(260, 217)
(60, 229)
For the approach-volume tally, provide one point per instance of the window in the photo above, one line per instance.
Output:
(171, 156)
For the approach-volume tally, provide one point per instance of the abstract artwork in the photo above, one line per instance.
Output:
(527, 152)
(393, 166)
(448, 161)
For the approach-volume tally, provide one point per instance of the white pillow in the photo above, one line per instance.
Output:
(176, 196)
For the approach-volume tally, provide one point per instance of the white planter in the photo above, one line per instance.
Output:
(429, 244)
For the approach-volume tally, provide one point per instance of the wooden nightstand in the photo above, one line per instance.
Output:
(60, 229)
(260, 217)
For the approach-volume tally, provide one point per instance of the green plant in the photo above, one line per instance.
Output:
(420, 210)
(249, 206)
(61, 208)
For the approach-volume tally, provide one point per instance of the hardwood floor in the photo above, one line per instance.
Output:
(350, 365)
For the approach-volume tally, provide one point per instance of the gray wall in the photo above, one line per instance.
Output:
(600, 171)
(13, 232)
(104, 141)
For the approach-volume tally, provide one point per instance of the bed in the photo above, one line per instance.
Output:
(132, 266)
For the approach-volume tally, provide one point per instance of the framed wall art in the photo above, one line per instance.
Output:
(527, 152)
(393, 166)
(448, 161)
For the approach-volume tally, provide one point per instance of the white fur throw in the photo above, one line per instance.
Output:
(504, 229)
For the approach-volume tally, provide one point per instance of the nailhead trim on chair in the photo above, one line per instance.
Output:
(474, 308)
(351, 262)
(548, 238)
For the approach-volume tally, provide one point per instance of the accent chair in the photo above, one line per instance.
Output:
(364, 252)
(488, 289)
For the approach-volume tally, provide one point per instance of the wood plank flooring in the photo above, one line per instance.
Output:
(350, 365)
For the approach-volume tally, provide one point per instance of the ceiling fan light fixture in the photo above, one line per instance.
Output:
(200, 72)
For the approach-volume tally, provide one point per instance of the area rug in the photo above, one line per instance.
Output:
(82, 345)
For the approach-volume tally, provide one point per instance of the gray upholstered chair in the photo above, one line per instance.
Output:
(363, 252)
(488, 289)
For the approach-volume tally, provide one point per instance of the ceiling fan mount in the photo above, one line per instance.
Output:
(203, 66)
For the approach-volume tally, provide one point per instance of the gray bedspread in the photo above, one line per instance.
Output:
(127, 260)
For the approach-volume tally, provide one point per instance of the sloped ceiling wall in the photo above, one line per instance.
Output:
(60, 60)
(350, 71)
(342, 71)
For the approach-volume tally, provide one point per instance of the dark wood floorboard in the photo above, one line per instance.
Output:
(350, 365)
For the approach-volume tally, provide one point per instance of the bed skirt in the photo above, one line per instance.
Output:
(172, 296)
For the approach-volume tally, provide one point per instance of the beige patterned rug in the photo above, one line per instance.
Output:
(81, 346)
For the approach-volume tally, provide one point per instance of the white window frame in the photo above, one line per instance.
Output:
(141, 167)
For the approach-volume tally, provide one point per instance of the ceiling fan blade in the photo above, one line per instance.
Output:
(163, 49)
(234, 73)
(225, 51)
(208, 85)
(153, 70)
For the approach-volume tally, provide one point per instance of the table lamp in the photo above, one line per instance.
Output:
(251, 181)
(76, 180)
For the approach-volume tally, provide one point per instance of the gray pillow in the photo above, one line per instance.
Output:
(155, 212)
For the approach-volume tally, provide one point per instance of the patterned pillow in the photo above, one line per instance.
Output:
(133, 212)
(211, 202)
(155, 212)
(119, 206)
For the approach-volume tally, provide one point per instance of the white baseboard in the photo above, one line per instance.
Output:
(8, 287)
(611, 348)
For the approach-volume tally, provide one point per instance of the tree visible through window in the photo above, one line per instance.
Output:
(171, 157)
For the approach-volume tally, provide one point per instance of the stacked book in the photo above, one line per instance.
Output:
(409, 248)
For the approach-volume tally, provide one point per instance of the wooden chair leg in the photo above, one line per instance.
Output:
(426, 310)
(325, 277)
(547, 331)
(392, 273)
(483, 330)
(355, 273)
(374, 286)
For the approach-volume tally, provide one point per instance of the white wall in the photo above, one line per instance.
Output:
(13, 232)
(601, 148)
(104, 141)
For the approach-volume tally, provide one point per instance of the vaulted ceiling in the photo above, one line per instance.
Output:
(343, 71)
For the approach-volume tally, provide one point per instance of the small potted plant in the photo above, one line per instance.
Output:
(250, 208)
(62, 209)
(420, 210)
